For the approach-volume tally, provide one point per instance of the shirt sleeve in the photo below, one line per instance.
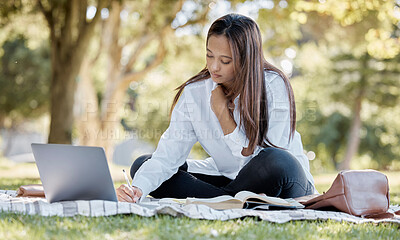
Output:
(278, 113)
(172, 150)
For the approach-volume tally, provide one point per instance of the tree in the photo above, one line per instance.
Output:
(9, 9)
(368, 85)
(360, 39)
(131, 52)
(24, 81)
(382, 153)
(70, 34)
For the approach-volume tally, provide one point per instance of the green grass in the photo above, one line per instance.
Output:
(17, 226)
(166, 227)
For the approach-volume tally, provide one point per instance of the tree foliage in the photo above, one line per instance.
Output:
(345, 76)
(24, 80)
(360, 69)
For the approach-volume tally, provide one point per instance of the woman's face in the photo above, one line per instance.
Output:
(219, 59)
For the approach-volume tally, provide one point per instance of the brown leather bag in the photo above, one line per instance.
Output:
(362, 193)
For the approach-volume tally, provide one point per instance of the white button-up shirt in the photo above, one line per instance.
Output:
(193, 120)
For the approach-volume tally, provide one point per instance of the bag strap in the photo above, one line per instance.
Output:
(382, 215)
(379, 215)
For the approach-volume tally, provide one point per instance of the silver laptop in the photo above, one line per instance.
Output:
(73, 172)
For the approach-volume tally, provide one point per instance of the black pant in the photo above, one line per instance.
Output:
(273, 171)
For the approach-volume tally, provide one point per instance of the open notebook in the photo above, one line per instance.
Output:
(243, 199)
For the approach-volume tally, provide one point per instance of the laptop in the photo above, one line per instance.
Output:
(71, 173)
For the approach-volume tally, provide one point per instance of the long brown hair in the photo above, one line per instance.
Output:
(245, 41)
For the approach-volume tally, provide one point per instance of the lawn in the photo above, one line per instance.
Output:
(17, 226)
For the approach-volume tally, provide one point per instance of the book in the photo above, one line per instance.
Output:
(247, 200)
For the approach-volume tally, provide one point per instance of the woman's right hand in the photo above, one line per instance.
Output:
(128, 194)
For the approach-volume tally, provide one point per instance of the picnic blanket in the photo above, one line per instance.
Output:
(95, 208)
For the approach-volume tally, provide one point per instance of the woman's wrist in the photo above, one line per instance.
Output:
(140, 192)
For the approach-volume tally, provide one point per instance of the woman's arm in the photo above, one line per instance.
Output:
(172, 150)
(278, 112)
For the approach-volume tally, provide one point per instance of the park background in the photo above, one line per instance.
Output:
(103, 73)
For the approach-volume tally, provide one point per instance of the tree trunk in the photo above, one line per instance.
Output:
(334, 159)
(111, 104)
(63, 87)
(354, 136)
(70, 34)
(88, 111)
(353, 141)
(2, 119)
(111, 130)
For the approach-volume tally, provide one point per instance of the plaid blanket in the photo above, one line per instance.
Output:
(94, 208)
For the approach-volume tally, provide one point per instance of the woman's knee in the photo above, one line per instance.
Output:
(278, 160)
(281, 171)
(274, 166)
(138, 163)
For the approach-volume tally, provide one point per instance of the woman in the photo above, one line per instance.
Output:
(242, 111)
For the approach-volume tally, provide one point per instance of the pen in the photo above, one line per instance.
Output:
(135, 199)
(126, 178)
